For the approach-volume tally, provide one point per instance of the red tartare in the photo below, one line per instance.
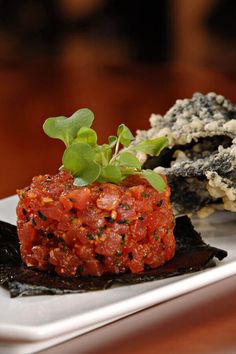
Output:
(97, 229)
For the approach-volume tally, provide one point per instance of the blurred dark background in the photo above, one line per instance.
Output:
(124, 59)
(113, 31)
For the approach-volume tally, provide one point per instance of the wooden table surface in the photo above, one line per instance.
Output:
(201, 322)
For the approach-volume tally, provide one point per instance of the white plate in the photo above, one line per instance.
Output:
(47, 320)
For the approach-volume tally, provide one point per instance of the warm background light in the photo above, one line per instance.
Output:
(123, 59)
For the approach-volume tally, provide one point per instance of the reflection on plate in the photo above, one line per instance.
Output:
(39, 322)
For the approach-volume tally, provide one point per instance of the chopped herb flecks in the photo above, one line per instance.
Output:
(73, 210)
(145, 195)
(101, 229)
(118, 253)
(155, 235)
(124, 206)
(71, 218)
(80, 269)
(123, 221)
(43, 217)
(68, 186)
(90, 237)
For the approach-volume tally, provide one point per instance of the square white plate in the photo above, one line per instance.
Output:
(41, 321)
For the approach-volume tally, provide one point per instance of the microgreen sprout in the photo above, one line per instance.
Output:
(88, 162)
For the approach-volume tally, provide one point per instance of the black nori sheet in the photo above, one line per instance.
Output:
(192, 254)
(9, 244)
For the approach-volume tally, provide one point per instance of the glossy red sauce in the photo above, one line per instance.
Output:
(102, 228)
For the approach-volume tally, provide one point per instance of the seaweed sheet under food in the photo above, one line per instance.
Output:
(192, 254)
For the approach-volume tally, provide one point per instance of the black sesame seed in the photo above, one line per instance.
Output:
(123, 239)
(73, 200)
(109, 219)
(24, 212)
(130, 255)
(159, 203)
(99, 257)
(73, 210)
(34, 222)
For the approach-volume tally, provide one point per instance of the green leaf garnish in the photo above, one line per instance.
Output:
(88, 175)
(154, 179)
(112, 140)
(110, 173)
(86, 135)
(128, 159)
(77, 156)
(66, 129)
(89, 162)
(153, 146)
(103, 154)
(124, 135)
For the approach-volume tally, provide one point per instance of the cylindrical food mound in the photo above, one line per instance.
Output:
(101, 228)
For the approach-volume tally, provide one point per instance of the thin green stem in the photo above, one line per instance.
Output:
(116, 152)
